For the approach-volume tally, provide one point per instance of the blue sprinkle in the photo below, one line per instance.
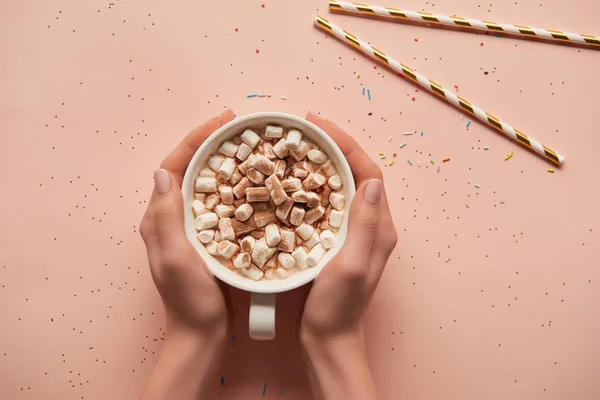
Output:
(410, 162)
(498, 35)
(252, 95)
(363, 91)
(369, 93)
(223, 381)
(264, 390)
(233, 338)
(282, 391)
(421, 133)
(468, 123)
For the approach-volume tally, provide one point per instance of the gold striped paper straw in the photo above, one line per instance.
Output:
(439, 90)
(551, 35)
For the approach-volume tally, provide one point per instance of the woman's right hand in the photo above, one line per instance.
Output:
(331, 328)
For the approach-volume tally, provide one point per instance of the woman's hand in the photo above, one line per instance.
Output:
(331, 329)
(196, 304)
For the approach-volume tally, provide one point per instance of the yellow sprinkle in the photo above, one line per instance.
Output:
(551, 170)
(391, 163)
(508, 156)
(381, 153)
(431, 161)
(358, 77)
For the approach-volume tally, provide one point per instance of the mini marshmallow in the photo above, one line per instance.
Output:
(211, 201)
(314, 181)
(335, 182)
(301, 152)
(272, 131)
(269, 274)
(312, 167)
(280, 149)
(327, 239)
(279, 168)
(253, 273)
(324, 224)
(206, 185)
(239, 190)
(281, 273)
(271, 263)
(212, 248)
(335, 218)
(267, 150)
(272, 235)
(297, 215)
(227, 168)
(259, 206)
(257, 234)
(264, 218)
(215, 162)
(313, 200)
(247, 244)
(314, 214)
(241, 227)
(206, 235)
(287, 241)
(315, 255)
(275, 189)
(250, 138)
(300, 170)
(337, 200)
(260, 253)
(227, 249)
(198, 207)
(200, 196)
(242, 260)
(254, 194)
(263, 164)
(226, 194)
(324, 195)
(218, 237)
(225, 211)
(300, 255)
(294, 138)
(226, 229)
(291, 184)
(228, 149)
(207, 173)
(300, 196)
(317, 156)
(286, 260)
(283, 210)
(313, 240)
(235, 177)
(255, 176)
(245, 166)
(305, 231)
(328, 169)
(244, 212)
(243, 152)
(206, 221)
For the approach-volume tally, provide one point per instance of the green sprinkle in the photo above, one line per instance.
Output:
(477, 186)
(486, 148)
(410, 162)
(402, 145)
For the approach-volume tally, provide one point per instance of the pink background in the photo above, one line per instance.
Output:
(491, 293)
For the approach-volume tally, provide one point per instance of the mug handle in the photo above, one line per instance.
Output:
(261, 323)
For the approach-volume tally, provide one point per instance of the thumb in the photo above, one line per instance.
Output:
(168, 209)
(363, 219)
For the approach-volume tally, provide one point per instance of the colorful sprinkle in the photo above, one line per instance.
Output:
(477, 186)
(262, 95)
(407, 133)
(394, 154)
(438, 169)
(390, 139)
(382, 157)
(481, 44)
(431, 161)
(414, 98)
(402, 145)
(416, 39)
(264, 390)
(363, 91)
(508, 156)
(410, 162)
(381, 153)
(468, 124)
(358, 77)
(486, 148)
(455, 86)
(223, 381)
(252, 95)
(446, 159)
(263, 5)
(257, 51)
(551, 170)
(391, 163)
(369, 93)
(421, 133)
(233, 338)
(283, 98)
(498, 35)
(236, 29)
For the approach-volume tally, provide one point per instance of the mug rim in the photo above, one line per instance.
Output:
(217, 268)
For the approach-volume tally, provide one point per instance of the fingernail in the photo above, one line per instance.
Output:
(223, 114)
(315, 115)
(331, 123)
(373, 191)
(162, 182)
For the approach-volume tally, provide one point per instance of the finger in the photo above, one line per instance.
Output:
(177, 162)
(363, 222)
(167, 208)
(362, 166)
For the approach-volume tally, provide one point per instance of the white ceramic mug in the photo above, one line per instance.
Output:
(262, 305)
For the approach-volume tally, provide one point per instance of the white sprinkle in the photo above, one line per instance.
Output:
(390, 139)
(408, 133)
(283, 98)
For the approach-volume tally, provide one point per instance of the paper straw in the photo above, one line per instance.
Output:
(439, 90)
(553, 36)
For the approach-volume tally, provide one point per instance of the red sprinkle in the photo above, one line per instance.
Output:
(416, 39)
(414, 98)
(257, 51)
(481, 43)
(374, 66)
(263, 5)
(236, 29)
(394, 154)
(455, 86)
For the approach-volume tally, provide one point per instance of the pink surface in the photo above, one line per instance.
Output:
(491, 293)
